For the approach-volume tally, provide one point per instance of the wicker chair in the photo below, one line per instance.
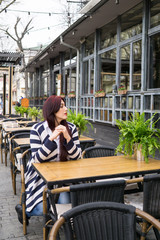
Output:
(80, 194)
(86, 144)
(100, 221)
(25, 158)
(151, 199)
(15, 152)
(98, 151)
(25, 133)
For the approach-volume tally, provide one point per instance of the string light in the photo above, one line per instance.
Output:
(29, 12)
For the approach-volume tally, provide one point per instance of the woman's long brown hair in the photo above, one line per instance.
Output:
(50, 107)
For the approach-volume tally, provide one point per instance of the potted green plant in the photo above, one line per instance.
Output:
(62, 95)
(122, 90)
(138, 134)
(71, 94)
(40, 115)
(79, 120)
(17, 109)
(45, 97)
(33, 112)
(100, 93)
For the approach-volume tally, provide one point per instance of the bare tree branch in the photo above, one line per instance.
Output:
(18, 39)
(9, 4)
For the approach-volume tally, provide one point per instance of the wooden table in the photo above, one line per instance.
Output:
(24, 122)
(7, 129)
(84, 138)
(21, 141)
(94, 169)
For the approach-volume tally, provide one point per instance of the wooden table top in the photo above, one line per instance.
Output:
(7, 129)
(84, 138)
(24, 122)
(21, 141)
(93, 169)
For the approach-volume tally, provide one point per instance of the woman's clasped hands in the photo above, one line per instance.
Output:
(58, 130)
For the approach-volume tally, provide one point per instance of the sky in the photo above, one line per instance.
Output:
(48, 21)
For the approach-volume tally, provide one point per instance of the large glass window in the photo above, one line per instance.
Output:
(125, 66)
(67, 58)
(70, 75)
(108, 70)
(44, 90)
(155, 13)
(131, 22)
(137, 52)
(88, 76)
(89, 45)
(109, 35)
(154, 79)
(85, 76)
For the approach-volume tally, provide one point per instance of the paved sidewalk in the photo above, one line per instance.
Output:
(10, 228)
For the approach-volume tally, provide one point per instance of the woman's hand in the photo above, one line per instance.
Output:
(54, 135)
(63, 129)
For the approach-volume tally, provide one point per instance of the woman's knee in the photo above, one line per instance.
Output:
(64, 198)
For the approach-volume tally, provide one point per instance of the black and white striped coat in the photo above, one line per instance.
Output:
(45, 150)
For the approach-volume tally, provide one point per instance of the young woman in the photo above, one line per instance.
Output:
(54, 139)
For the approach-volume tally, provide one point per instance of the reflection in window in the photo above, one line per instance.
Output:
(125, 63)
(110, 102)
(137, 102)
(155, 14)
(85, 77)
(67, 58)
(70, 75)
(130, 116)
(106, 102)
(124, 103)
(131, 22)
(156, 117)
(88, 76)
(137, 52)
(156, 102)
(92, 76)
(124, 116)
(154, 80)
(147, 102)
(110, 116)
(108, 70)
(109, 35)
(118, 102)
(73, 56)
(89, 45)
(130, 102)
(45, 81)
(105, 115)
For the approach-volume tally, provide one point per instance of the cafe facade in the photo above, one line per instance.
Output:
(115, 47)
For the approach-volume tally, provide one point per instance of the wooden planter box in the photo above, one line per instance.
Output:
(102, 94)
(121, 92)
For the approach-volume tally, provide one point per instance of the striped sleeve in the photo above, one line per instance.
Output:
(42, 148)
